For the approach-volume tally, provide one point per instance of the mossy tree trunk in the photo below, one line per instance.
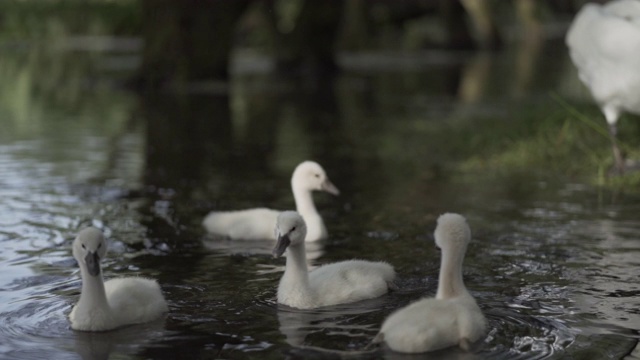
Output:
(310, 44)
(187, 40)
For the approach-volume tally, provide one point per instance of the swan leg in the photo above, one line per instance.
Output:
(617, 154)
(376, 340)
(392, 286)
(612, 113)
(465, 344)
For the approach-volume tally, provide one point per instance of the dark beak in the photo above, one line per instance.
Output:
(93, 263)
(281, 245)
(328, 186)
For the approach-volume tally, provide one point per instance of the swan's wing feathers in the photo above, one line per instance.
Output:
(373, 271)
(252, 224)
(604, 44)
(135, 299)
(425, 325)
(597, 36)
(616, 39)
(472, 322)
(624, 8)
(349, 281)
(354, 272)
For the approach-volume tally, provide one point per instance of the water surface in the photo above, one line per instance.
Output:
(553, 262)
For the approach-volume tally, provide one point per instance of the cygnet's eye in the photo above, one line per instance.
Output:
(317, 176)
(293, 228)
(99, 245)
(83, 246)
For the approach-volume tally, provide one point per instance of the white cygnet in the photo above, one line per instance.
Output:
(604, 44)
(331, 284)
(452, 318)
(258, 223)
(115, 303)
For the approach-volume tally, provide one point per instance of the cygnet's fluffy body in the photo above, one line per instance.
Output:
(258, 223)
(115, 303)
(331, 284)
(604, 44)
(453, 317)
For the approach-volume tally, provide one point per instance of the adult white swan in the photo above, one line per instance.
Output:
(604, 44)
(115, 303)
(258, 223)
(331, 284)
(452, 318)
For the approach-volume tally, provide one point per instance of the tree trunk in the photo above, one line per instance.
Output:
(187, 40)
(310, 45)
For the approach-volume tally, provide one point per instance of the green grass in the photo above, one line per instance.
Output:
(39, 20)
(566, 142)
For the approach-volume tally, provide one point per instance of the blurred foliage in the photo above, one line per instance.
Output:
(41, 87)
(568, 142)
(554, 139)
(45, 19)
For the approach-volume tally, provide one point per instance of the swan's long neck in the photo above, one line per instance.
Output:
(296, 273)
(304, 201)
(450, 283)
(93, 294)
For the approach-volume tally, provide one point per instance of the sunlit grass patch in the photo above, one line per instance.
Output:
(37, 19)
(566, 142)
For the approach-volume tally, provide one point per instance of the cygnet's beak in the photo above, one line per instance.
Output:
(281, 245)
(92, 260)
(328, 186)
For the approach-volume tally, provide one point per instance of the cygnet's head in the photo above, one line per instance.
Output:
(309, 175)
(452, 232)
(290, 231)
(88, 248)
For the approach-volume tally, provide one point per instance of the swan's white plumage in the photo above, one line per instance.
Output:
(115, 303)
(604, 44)
(453, 317)
(258, 223)
(331, 284)
(249, 224)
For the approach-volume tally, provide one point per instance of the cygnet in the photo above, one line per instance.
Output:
(452, 318)
(258, 223)
(115, 303)
(330, 284)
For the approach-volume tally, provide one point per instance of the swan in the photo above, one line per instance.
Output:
(258, 223)
(331, 284)
(604, 45)
(452, 317)
(115, 303)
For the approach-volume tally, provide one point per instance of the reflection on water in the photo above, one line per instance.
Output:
(553, 262)
(101, 345)
(326, 329)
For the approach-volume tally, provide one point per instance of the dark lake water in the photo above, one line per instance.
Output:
(554, 261)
